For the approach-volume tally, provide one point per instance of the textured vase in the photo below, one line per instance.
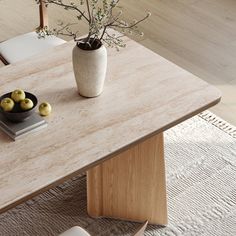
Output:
(90, 68)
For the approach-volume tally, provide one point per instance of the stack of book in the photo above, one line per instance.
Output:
(17, 130)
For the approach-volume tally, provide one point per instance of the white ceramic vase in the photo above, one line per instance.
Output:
(90, 68)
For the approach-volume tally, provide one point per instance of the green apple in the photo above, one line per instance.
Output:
(18, 95)
(26, 104)
(45, 109)
(7, 104)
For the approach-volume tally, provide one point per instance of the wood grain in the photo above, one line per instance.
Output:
(131, 185)
(43, 14)
(144, 95)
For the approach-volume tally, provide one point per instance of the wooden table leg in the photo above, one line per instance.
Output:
(131, 185)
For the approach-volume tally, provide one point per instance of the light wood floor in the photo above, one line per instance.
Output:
(198, 35)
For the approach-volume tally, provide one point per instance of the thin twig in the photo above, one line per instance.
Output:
(67, 6)
(99, 20)
(121, 25)
(90, 18)
(103, 32)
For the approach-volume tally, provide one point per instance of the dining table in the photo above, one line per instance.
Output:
(116, 139)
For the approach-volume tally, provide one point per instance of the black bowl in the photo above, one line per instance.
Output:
(17, 114)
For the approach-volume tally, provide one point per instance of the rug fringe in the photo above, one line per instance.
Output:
(218, 122)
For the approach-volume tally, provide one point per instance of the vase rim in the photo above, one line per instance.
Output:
(100, 46)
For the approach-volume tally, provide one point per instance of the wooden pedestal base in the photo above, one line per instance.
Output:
(131, 185)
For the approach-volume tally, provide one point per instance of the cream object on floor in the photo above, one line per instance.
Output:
(78, 231)
(75, 231)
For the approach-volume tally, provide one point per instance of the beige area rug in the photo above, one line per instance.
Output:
(201, 185)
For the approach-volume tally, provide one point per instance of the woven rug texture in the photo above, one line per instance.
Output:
(201, 186)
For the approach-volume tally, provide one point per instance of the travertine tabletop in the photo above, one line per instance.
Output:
(144, 94)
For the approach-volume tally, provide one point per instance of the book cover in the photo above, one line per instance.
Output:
(17, 130)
